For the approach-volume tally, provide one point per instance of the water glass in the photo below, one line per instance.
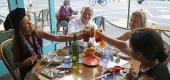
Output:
(67, 61)
(105, 62)
(106, 57)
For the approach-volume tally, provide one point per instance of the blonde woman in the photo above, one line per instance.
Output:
(137, 20)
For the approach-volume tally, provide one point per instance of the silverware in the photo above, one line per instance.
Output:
(104, 75)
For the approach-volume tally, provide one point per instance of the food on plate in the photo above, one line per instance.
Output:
(89, 51)
(62, 52)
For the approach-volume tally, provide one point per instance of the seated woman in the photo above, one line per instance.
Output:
(27, 42)
(146, 46)
(137, 20)
(65, 13)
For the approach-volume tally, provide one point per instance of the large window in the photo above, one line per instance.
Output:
(157, 11)
(3, 13)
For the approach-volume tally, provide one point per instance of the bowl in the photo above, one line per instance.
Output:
(116, 69)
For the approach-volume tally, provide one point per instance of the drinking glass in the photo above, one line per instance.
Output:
(105, 60)
(117, 57)
(92, 32)
(97, 37)
(102, 44)
(67, 61)
(86, 35)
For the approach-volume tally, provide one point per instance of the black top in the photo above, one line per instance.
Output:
(158, 72)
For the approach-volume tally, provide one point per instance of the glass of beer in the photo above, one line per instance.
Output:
(86, 35)
(102, 44)
(91, 32)
(97, 38)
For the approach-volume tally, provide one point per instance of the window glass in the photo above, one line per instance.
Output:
(3, 13)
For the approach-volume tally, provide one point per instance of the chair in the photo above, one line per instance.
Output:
(100, 22)
(4, 35)
(43, 16)
(7, 58)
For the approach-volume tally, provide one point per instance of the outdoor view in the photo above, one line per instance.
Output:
(115, 11)
(85, 40)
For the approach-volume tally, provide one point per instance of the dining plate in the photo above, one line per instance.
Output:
(91, 60)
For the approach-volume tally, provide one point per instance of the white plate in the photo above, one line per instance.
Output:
(58, 58)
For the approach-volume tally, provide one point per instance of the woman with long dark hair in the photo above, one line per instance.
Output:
(27, 41)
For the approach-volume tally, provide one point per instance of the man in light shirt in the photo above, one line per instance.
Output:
(79, 24)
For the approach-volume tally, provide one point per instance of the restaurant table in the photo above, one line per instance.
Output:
(84, 72)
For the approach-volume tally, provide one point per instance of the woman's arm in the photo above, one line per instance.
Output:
(121, 45)
(60, 38)
(124, 37)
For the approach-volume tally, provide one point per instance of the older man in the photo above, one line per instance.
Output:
(79, 24)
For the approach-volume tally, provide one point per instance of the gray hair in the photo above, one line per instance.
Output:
(65, 1)
(87, 7)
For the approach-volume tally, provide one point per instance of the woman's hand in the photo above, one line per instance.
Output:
(30, 61)
(39, 55)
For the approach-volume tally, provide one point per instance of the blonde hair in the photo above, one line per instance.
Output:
(141, 17)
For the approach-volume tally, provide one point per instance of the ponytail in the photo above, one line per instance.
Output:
(162, 56)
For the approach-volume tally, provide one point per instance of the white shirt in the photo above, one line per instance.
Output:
(76, 25)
